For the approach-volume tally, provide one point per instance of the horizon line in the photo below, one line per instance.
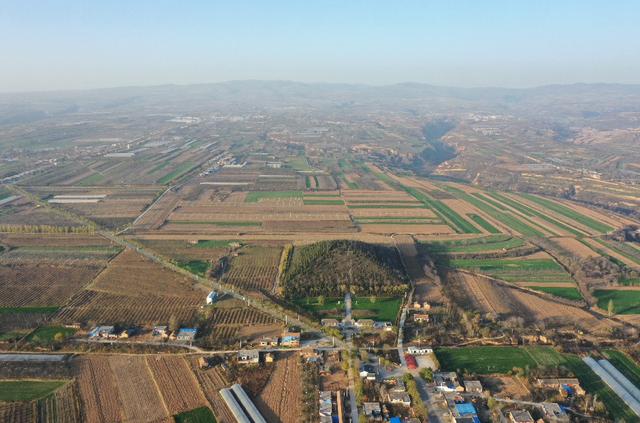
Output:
(291, 81)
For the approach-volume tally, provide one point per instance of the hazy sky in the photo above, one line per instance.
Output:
(61, 44)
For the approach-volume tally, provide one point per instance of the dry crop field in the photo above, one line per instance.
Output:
(121, 205)
(232, 321)
(118, 388)
(491, 297)
(22, 211)
(254, 268)
(133, 289)
(281, 399)
(212, 380)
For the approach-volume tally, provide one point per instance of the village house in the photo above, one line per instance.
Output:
(290, 339)
(364, 323)
(554, 413)
(520, 416)
(330, 323)
(383, 325)
(269, 341)
(447, 382)
(248, 357)
(368, 372)
(421, 318)
(401, 398)
(268, 357)
(567, 386)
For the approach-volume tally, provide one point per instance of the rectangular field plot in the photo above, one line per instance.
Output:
(42, 285)
(495, 243)
(133, 290)
(27, 390)
(488, 360)
(254, 268)
(562, 292)
(624, 301)
(519, 270)
(376, 308)
(332, 308)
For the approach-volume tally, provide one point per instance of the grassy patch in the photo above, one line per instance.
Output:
(323, 202)
(485, 360)
(624, 302)
(299, 163)
(39, 310)
(27, 390)
(197, 415)
(93, 179)
(385, 206)
(384, 309)
(568, 293)
(199, 267)
(499, 265)
(177, 172)
(484, 224)
(330, 308)
(255, 196)
(214, 243)
(47, 333)
(475, 245)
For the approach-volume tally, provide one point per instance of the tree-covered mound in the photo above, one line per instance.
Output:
(333, 268)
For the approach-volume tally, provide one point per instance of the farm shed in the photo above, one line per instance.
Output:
(372, 410)
(212, 297)
(248, 357)
(554, 412)
(473, 386)
(159, 331)
(419, 350)
(186, 334)
(102, 332)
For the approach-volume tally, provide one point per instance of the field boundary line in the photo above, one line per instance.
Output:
(155, 383)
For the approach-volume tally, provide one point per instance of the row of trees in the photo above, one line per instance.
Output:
(46, 229)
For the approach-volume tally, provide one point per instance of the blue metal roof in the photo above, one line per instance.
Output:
(465, 409)
(395, 420)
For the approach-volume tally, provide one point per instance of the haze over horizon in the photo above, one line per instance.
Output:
(72, 45)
